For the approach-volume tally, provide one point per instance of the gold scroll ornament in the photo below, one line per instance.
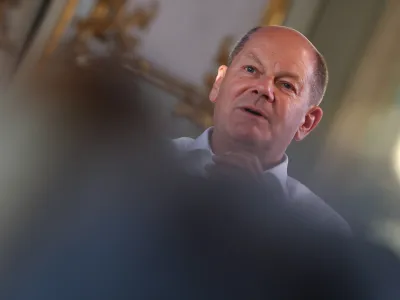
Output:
(110, 23)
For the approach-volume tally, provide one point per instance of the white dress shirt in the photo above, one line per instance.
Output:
(199, 153)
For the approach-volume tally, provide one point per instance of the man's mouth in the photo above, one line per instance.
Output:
(254, 111)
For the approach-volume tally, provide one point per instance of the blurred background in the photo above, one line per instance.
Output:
(352, 160)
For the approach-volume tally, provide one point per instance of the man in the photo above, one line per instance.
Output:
(267, 95)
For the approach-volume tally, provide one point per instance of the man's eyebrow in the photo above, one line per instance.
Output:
(289, 74)
(254, 57)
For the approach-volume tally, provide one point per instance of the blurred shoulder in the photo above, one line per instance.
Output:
(312, 207)
(183, 143)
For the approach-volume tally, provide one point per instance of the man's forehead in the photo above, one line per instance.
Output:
(288, 47)
(295, 60)
(272, 54)
(280, 38)
(286, 33)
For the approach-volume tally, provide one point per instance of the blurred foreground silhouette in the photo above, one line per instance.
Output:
(120, 219)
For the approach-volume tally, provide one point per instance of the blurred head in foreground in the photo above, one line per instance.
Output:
(94, 135)
(123, 223)
(98, 98)
(94, 114)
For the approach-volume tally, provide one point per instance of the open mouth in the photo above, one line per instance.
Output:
(254, 112)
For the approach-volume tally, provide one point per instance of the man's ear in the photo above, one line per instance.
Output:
(311, 120)
(217, 83)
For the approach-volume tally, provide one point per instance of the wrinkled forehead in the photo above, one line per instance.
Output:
(282, 47)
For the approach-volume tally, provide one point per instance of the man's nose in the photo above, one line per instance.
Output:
(264, 88)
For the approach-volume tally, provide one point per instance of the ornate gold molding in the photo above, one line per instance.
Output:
(109, 22)
(193, 102)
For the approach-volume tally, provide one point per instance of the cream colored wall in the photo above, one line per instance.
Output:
(341, 31)
(356, 168)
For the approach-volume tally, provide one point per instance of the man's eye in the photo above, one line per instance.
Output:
(250, 69)
(288, 86)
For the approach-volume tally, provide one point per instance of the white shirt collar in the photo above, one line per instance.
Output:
(279, 171)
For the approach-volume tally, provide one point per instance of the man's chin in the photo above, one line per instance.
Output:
(252, 137)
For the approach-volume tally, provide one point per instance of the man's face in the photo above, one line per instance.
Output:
(263, 98)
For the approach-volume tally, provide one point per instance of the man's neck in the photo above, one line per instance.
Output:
(220, 145)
